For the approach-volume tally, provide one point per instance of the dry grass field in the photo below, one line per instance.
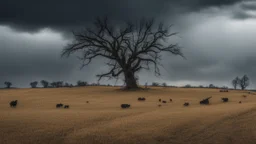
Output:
(36, 120)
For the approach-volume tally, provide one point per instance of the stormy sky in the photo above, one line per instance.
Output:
(217, 37)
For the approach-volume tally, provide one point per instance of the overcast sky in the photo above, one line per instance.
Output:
(217, 37)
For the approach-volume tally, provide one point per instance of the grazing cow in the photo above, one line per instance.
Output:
(244, 96)
(186, 104)
(224, 99)
(170, 100)
(125, 105)
(13, 103)
(205, 101)
(59, 105)
(163, 101)
(141, 99)
(66, 106)
(160, 100)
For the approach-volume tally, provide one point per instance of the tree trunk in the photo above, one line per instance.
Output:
(130, 80)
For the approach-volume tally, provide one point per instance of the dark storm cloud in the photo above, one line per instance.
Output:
(210, 39)
(31, 15)
(245, 10)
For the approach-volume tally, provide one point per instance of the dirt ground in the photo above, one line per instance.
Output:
(36, 120)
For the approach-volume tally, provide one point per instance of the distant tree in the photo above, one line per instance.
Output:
(224, 87)
(44, 83)
(235, 82)
(212, 86)
(128, 49)
(188, 86)
(8, 84)
(59, 84)
(67, 84)
(33, 84)
(155, 84)
(201, 86)
(82, 83)
(53, 84)
(164, 84)
(244, 82)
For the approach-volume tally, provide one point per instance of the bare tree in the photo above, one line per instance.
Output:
(53, 84)
(235, 82)
(82, 83)
(244, 82)
(129, 49)
(45, 83)
(164, 84)
(59, 84)
(212, 86)
(33, 84)
(8, 84)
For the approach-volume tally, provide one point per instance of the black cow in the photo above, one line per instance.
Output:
(59, 105)
(13, 103)
(186, 104)
(66, 106)
(125, 105)
(224, 99)
(141, 99)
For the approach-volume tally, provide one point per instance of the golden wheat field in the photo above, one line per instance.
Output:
(36, 120)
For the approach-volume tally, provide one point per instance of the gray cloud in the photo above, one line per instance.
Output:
(26, 57)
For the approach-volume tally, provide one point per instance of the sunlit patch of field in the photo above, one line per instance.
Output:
(36, 120)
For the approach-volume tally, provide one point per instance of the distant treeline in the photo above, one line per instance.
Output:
(242, 82)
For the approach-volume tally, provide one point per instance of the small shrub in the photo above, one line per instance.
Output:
(160, 100)
(170, 100)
